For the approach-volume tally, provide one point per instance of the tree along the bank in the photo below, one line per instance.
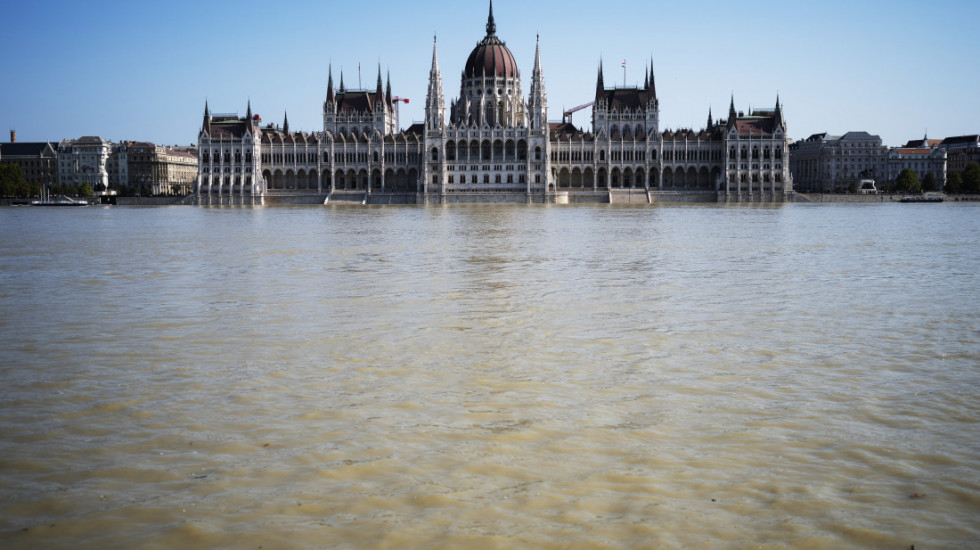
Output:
(954, 183)
(971, 178)
(929, 183)
(908, 182)
(12, 182)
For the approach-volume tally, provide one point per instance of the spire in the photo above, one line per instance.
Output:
(330, 83)
(491, 26)
(206, 125)
(779, 114)
(380, 90)
(599, 86)
(248, 112)
(341, 81)
(646, 80)
(388, 90)
(435, 105)
(653, 80)
(539, 99)
(710, 122)
(285, 122)
(731, 112)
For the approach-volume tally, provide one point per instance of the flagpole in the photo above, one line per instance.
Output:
(624, 73)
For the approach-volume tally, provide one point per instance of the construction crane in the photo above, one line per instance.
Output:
(396, 100)
(569, 112)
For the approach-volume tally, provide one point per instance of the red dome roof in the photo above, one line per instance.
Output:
(490, 57)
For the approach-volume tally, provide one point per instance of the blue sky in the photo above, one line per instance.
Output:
(142, 70)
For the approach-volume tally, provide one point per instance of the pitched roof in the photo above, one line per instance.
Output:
(24, 148)
(625, 98)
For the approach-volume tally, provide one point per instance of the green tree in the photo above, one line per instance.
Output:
(954, 183)
(971, 178)
(908, 181)
(12, 182)
(929, 183)
(85, 189)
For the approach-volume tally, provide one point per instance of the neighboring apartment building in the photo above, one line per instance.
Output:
(38, 160)
(922, 160)
(158, 170)
(960, 151)
(826, 163)
(84, 160)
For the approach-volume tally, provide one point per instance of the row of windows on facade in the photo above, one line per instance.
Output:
(497, 178)
(776, 177)
(745, 166)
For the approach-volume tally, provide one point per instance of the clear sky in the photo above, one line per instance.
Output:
(142, 70)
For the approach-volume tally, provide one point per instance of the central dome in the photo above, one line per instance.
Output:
(490, 57)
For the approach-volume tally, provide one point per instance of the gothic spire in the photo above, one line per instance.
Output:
(599, 86)
(539, 99)
(435, 104)
(653, 79)
(330, 83)
(779, 114)
(491, 26)
(206, 125)
(380, 90)
(710, 122)
(731, 112)
(285, 122)
(388, 90)
(341, 80)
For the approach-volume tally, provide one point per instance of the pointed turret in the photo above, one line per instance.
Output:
(539, 99)
(388, 89)
(248, 115)
(206, 125)
(491, 26)
(711, 123)
(379, 90)
(435, 104)
(646, 80)
(285, 122)
(599, 85)
(330, 83)
(342, 81)
(653, 80)
(779, 115)
(731, 112)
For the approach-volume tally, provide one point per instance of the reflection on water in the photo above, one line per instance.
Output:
(491, 377)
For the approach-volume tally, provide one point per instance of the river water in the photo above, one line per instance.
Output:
(793, 376)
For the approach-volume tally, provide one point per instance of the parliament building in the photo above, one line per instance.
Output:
(493, 144)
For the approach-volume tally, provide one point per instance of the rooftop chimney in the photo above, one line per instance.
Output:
(13, 136)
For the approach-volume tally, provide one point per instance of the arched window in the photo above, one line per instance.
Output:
(602, 154)
(375, 156)
(537, 153)
(435, 154)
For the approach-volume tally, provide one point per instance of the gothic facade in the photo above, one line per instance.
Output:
(492, 144)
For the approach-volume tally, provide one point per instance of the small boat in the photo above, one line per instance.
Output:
(928, 197)
(60, 200)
